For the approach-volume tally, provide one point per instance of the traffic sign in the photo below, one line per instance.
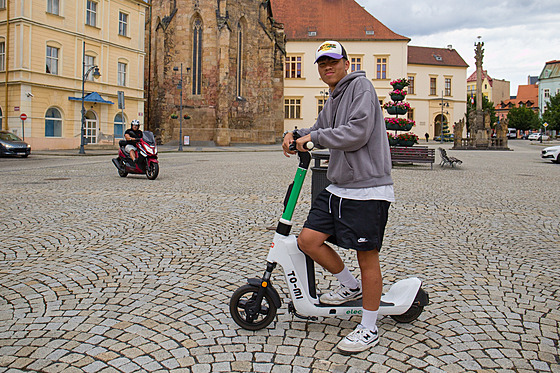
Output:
(545, 124)
(23, 116)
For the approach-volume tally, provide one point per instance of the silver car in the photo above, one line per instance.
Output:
(10, 144)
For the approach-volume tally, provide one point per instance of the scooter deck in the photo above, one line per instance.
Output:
(353, 303)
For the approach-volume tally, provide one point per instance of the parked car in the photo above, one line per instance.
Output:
(512, 133)
(537, 136)
(552, 153)
(11, 144)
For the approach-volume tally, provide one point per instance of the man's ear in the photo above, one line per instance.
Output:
(346, 64)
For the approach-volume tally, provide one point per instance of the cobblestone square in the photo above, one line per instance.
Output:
(106, 274)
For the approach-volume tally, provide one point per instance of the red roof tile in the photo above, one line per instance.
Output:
(472, 78)
(435, 56)
(329, 19)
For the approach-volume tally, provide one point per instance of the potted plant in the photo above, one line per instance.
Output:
(392, 139)
(407, 139)
(399, 124)
(399, 83)
(174, 116)
(187, 116)
(397, 94)
(396, 107)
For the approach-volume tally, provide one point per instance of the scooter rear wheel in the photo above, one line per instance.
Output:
(242, 304)
(122, 169)
(413, 312)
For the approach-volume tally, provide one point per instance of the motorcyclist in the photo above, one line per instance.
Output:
(132, 135)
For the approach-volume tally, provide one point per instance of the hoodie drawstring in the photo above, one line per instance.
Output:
(339, 205)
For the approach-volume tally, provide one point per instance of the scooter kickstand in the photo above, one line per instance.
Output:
(292, 310)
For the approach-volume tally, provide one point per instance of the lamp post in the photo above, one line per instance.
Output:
(324, 94)
(446, 104)
(85, 74)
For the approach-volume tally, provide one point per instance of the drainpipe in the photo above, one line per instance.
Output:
(7, 66)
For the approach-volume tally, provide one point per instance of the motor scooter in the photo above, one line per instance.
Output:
(146, 157)
(254, 306)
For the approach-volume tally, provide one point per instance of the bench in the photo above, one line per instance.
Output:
(413, 154)
(445, 159)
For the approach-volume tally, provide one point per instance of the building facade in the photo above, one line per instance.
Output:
(47, 46)
(495, 90)
(383, 54)
(229, 54)
(437, 91)
(549, 83)
(527, 96)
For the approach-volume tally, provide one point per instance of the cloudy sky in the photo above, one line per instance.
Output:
(519, 35)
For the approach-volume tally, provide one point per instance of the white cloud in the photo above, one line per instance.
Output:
(519, 36)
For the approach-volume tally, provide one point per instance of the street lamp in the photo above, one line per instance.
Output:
(446, 104)
(85, 74)
(324, 94)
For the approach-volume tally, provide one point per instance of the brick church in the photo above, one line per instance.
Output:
(232, 63)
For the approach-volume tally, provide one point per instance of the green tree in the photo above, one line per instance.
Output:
(523, 118)
(486, 106)
(551, 113)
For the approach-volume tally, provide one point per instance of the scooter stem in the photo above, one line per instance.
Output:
(304, 161)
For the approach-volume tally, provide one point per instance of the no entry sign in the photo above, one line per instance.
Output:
(23, 116)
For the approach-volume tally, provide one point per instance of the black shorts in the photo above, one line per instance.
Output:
(351, 224)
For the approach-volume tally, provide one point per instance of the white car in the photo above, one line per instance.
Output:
(552, 153)
(537, 136)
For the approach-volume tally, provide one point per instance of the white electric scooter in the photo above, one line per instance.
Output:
(253, 306)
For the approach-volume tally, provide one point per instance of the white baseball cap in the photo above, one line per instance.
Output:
(332, 49)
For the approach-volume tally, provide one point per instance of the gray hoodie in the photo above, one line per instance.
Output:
(351, 125)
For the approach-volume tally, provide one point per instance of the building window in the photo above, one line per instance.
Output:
(2, 4)
(410, 114)
(410, 89)
(547, 93)
(320, 104)
(53, 123)
(433, 86)
(1, 118)
(197, 58)
(123, 24)
(121, 74)
(52, 6)
(381, 68)
(292, 108)
(89, 63)
(3, 56)
(91, 13)
(239, 58)
(118, 126)
(355, 63)
(448, 86)
(52, 60)
(293, 67)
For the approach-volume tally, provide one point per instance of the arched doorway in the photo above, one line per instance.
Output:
(437, 124)
(91, 127)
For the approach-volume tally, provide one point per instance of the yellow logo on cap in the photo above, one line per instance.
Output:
(326, 47)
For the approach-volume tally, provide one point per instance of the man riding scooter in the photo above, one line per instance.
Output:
(132, 136)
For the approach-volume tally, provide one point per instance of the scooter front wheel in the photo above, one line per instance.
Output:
(122, 169)
(247, 313)
(152, 170)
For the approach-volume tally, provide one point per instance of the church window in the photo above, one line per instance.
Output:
(239, 59)
(197, 58)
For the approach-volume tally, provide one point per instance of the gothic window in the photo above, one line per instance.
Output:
(197, 58)
(239, 58)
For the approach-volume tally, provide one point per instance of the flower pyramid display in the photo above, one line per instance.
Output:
(397, 107)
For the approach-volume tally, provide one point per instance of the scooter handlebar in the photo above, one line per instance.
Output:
(308, 145)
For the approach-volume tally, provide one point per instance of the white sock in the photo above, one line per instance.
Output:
(369, 319)
(347, 279)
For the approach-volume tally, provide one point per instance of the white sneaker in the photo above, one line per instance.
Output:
(359, 340)
(341, 295)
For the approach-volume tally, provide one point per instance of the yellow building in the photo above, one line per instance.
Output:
(495, 90)
(48, 49)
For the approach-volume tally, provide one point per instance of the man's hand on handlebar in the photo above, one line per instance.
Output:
(291, 146)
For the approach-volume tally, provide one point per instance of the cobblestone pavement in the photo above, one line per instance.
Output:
(106, 274)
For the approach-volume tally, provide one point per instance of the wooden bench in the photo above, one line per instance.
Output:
(413, 154)
(445, 159)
